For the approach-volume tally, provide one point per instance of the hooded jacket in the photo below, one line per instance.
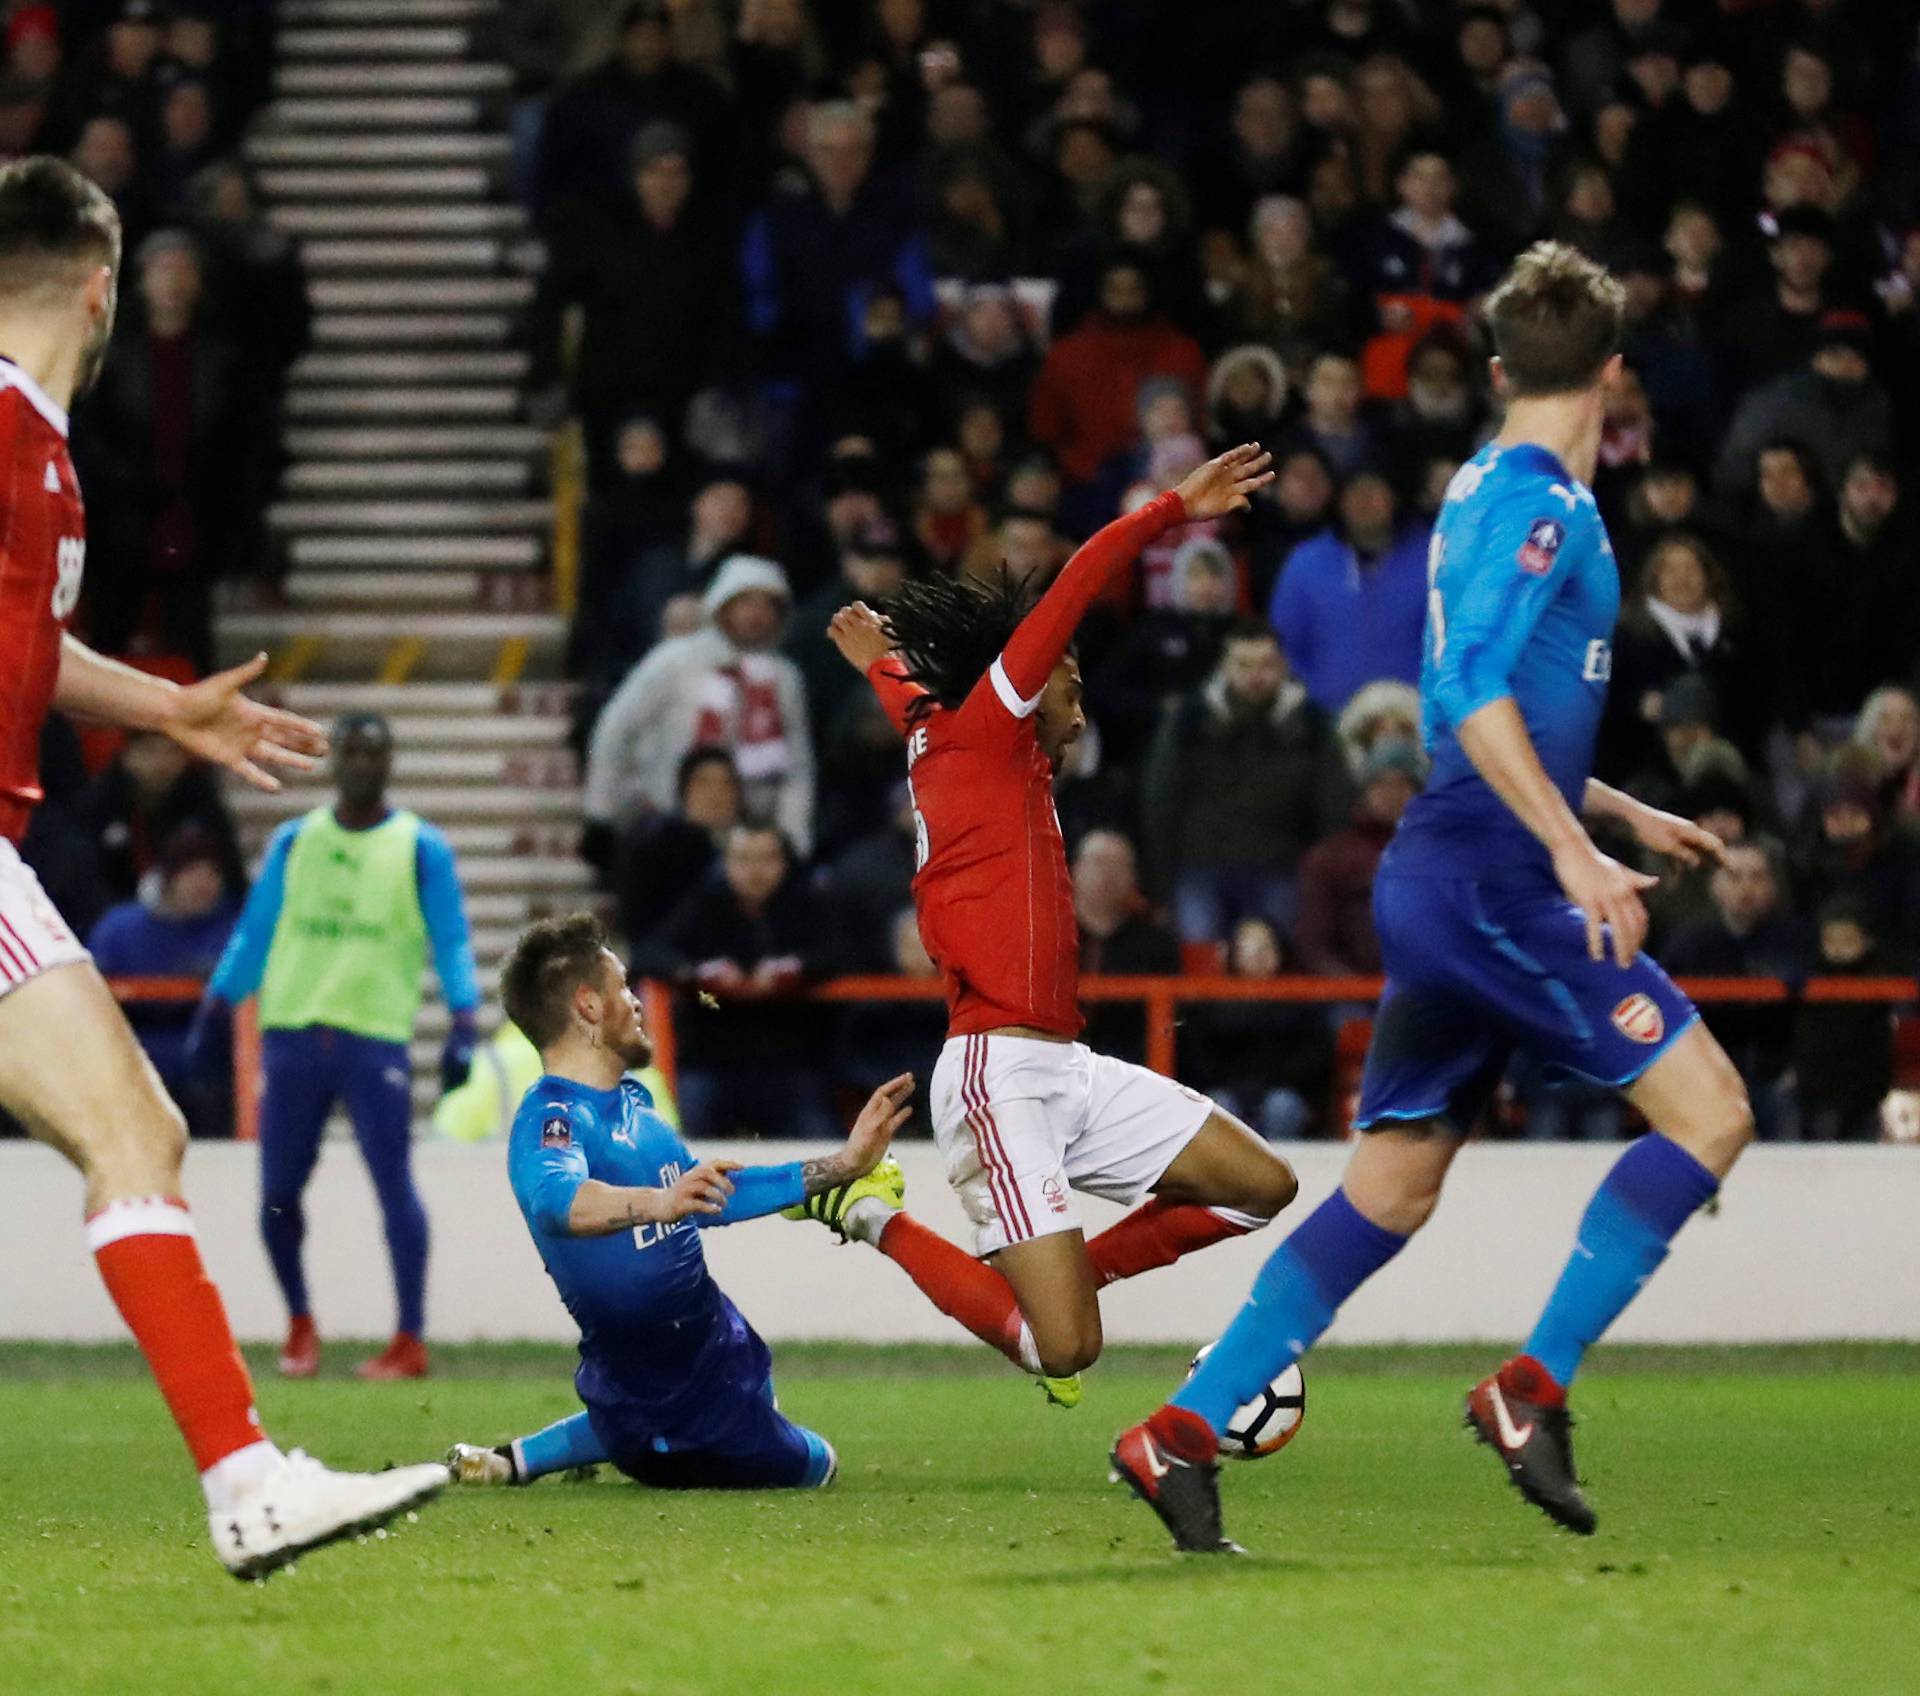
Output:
(700, 690)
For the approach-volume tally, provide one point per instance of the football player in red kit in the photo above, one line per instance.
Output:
(70, 1069)
(987, 694)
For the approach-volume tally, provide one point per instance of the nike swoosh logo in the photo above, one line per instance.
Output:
(1155, 1464)
(1512, 1436)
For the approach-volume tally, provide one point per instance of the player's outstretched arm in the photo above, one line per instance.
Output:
(211, 719)
(861, 636)
(1224, 484)
(1665, 833)
(1495, 738)
(873, 1132)
(604, 1210)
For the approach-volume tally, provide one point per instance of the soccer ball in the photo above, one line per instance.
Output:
(1267, 1424)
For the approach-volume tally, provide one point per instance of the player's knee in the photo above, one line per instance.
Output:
(1726, 1126)
(1072, 1348)
(1274, 1188)
(142, 1156)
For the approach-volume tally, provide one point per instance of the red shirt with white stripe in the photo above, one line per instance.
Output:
(993, 895)
(43, 552)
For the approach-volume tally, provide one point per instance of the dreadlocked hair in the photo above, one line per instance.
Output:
(949, 630)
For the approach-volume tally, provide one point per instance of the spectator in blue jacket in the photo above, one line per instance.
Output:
(176, 929)
(1351, 602)
(812, 261)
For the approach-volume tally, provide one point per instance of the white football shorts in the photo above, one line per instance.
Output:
(1021, 1122)
(33, 936)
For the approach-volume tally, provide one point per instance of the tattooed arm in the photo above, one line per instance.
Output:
(601, 1210)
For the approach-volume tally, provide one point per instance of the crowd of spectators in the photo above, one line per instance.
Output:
(864, 291)
(176, 448)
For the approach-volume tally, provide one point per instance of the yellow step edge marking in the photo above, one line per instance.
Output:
(296, 659)
(401, 658)
(511, 663)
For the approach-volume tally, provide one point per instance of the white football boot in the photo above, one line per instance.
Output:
(471, 1464)
(301, 1505)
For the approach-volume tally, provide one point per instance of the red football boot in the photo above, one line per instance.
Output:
(1183, 1488)
(1521, 1414)
(404, 1357)
(300, 1353)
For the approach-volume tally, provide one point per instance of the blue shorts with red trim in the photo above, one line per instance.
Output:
(1480, 968)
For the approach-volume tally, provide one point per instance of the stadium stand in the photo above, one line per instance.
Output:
(596, 300)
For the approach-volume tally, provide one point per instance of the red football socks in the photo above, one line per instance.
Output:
(1157, 1233)
(151, 1264)
(960, 1286)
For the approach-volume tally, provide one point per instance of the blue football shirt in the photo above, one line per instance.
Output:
(1522, 596)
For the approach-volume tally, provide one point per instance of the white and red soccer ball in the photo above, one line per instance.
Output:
(1268, 1423)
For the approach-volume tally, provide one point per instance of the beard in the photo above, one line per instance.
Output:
(635, 1052)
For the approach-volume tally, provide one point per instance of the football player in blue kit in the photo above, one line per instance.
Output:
(1503, 927)
(678, 1386)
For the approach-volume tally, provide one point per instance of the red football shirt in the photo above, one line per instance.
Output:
(43, 551)
(992, 892)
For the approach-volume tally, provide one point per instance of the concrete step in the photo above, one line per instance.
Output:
(450, 476)
(384, 11)
(439, 700)
(520, 440)
(444, 804)
(454, 111)
(420, 402)
(439, 367)
(424, 219)
(476, 253)
(398, 147)
(421, 41)
(402, 182)
(395, 294)
(410, 515)
(479, 730)
(458, 77)
(245, 632)
(410, 329)
(429, 553)
(340, 590)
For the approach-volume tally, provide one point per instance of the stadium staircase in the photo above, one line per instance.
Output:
(416, 512)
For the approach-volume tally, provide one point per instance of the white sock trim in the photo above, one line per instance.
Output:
(1030, 1351)
(867, 1218)
(1246, 1221)
(148, 1216)
(517, 1457)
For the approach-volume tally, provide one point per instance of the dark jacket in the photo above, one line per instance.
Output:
(1755, 1035)
(710, 924)
(1334, 932)
(1843, 1056)
(1229, 786)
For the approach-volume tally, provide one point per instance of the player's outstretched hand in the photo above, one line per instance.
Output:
(859, 634)
(703, 1190)
(1608, 893)
(1677, 838)
(213, 721)
(1224, 485)
(887, 1109)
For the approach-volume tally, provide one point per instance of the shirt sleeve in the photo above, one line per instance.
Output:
(446, 917)
(757, 1191)
(1020, 673)
(548, 1170)
(244, 962)
(896, 691)
(1486, 608)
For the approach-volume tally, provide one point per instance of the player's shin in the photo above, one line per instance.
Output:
(961, 1287)
(148, 1258)
(560, 1447)
(1157, 1233)
(1294, 1298)
(1654, 1188)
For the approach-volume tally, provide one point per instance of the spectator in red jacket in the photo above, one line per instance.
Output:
(1334, 935)
(1082, 407)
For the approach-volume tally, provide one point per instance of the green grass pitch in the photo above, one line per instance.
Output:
(1760, 1533)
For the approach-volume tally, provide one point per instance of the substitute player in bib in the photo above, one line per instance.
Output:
(70, 1069)
(1503, 927)
(334, 937)
(678, 1386)
(987, 694)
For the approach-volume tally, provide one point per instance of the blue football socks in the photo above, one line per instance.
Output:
(1655, 1187)
(1294, 1299)
(564, 1444)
